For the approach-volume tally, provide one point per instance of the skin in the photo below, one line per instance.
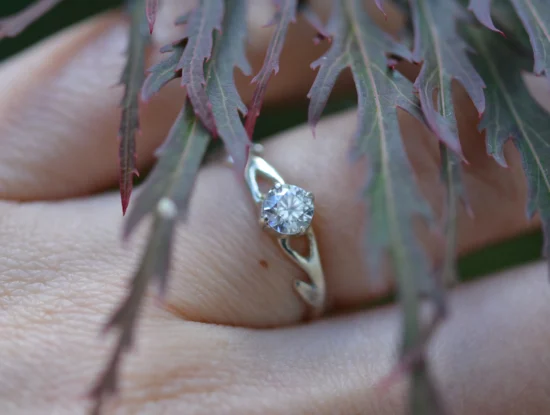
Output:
(229, 338)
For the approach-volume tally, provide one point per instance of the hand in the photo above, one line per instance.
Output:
(229, 338)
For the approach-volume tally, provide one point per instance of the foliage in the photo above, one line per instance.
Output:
(132, 79)
(358, 43)
(449, 44)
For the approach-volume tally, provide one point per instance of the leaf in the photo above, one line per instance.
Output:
(132, 78)
(391, 193)
(286, 13)
(482, 10)
(166, 193)
(163, 72)
(155, 263)
(228, 53)
(151, 11)
(443, 53)
(202, 22)
(506, 18)
(13, 25)
(168, 188)
(174, 174)
(513, 113)
(535, 16)
(438, 45)
(451, 176)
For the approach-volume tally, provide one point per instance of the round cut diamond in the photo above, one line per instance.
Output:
(287, 209)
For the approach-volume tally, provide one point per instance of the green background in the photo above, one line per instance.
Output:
(503, 255)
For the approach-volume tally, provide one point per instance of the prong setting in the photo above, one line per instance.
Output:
(285, 211)
(288, 209)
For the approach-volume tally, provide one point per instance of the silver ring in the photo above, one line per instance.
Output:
(286, 212)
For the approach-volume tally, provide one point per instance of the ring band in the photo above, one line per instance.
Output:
(286, 211)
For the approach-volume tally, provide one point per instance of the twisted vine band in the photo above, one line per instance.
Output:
(286, 211)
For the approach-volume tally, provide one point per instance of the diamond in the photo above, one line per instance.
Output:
(287, 209)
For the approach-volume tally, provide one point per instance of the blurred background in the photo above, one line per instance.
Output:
(519, 250)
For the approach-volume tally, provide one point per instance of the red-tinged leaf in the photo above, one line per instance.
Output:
(451, 175)
(132, 78)
(513, 113)
(535, 16)
(151, 11)
(506, 20)
(285, 14)
(174, 174)
(443, 52)
(155, 264)
(163, 72)
(202, 22)
(167, 190)
(391, 193)
(439, 46)
(482, 10)
(13, 25)
(166, 194)
(228, 53)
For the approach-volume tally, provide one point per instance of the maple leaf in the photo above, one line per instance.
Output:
(164, 71)
(173, 175)
(201, 23)
(151, 11)
(482, 10)
(155, 262)
(132, 78)
(229, 52)
(13, 25)
(166, 193)
(285, 14)
(438, 45)
(451, 175)
(167, 190)
(391, 192)
(507, 22)
(513, 113)
(535, 16)
(442, 52)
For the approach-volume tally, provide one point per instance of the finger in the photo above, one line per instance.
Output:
(227, 270)
(59, 110)
(329, 367)
(334, 366)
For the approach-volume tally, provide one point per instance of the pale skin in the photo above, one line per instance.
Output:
(229, 338)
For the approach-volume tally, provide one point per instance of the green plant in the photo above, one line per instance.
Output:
(443, 32)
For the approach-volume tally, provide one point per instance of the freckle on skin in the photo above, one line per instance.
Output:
(264, 263)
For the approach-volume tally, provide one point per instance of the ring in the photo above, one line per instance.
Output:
(286, 212)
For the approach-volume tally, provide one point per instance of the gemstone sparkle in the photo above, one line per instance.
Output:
(287, 209)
